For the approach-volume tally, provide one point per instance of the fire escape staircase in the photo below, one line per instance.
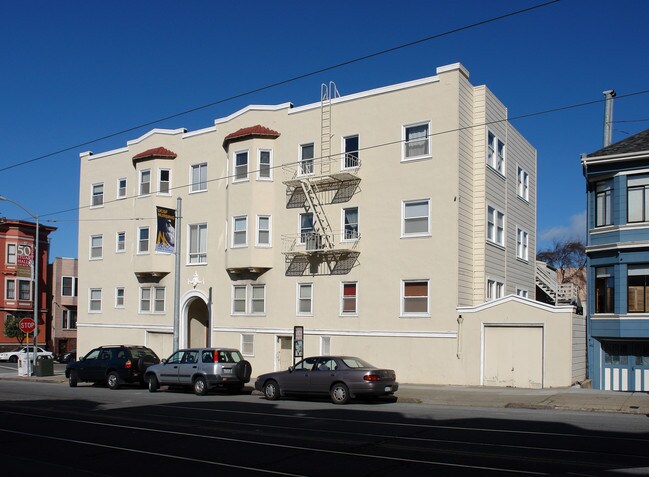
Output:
(560, 293)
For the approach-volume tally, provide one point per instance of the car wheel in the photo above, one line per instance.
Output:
(73, 379)
(13, 359)
(153, 383)
(271, 390)
(113, 380)
(339, 393)
(200, 386)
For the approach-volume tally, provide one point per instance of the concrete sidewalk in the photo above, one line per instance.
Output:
(573, 398)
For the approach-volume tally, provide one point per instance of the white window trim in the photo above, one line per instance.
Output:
(191, 178)
(117, 194)
(165, 194)
(234, 218)
(525, 183)
(300, 235)
(152, 300)
(404, 314)
(90, 247)
(140, 182)
(404, 142)
(341, 312)
(270, 231)
(92, 195)
(15, 297)
(117, 305)
(344, 153)
(252, 344)
(403, 219)
(31, 288)
(189, 236)
(496, 281)
(496, 140)
(342, 224)
(245, 300)
(323, 351)
(234, 166)
(74, 285)
(522, 292)
(117, 249)
(270, 165)
(521, 233)
(139, 240)
(250, 299)
(90, 310)
(15, 253)
(297, 299)
(300, 160)
(494, 240)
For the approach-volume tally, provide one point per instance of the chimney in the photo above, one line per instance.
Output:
(608, 117)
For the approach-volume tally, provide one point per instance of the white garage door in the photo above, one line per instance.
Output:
(513, 356)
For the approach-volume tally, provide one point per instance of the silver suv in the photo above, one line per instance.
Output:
(202, 369)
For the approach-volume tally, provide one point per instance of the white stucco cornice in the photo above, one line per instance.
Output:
(516, 299)
(253, 107)
(326, 332)
(168, 132)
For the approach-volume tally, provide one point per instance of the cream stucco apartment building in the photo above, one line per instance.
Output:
(396, 224)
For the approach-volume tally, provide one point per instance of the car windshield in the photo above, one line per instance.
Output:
(356, 363)
(227, 356)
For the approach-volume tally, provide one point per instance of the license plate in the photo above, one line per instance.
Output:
(227, 370)
(388, 389)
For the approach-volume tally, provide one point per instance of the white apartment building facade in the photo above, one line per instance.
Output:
(375, 221)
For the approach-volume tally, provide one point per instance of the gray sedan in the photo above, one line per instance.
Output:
(341, 377)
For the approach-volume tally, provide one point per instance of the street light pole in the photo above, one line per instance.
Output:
(35, 278)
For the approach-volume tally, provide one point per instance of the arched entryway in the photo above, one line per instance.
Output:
(196, 323)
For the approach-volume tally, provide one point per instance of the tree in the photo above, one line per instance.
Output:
(12, 329)
(568, 257)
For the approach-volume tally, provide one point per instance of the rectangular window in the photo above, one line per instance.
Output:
(495, 153)
(98, 194)
(96, 247)
(416, 217)
(603, 197)
(152, 296)
(198, 243)
(120, 242)
(239, 299)
(306, 227)
(416, 143)
(263, 231)
(164, 182)
(145, 300)
(351, 159)
(94, 300)
(143, 240)
(349, 299)
(264, 168)
(121, 188)
(69, 319)
(305, 298)
(638, 288)
(159, 304)
(495, 289)
(414, 297)
(604, 290)
(247, 345)
(258, 299)
(241, 166)
(199, 178)
(522, 293)
(325, 345)
(637, 198)
(10, 289)
(11, 253)
(240, 231)
(24, 290)
(68, 286)
(350, 223)
(145, 182)
(119, 297)
(522, 242)
(523, 184)
(495, 226)
(306, 161)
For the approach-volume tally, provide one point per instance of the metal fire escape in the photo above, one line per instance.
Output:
(322, 251)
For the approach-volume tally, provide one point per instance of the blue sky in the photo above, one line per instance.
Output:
(76, 71)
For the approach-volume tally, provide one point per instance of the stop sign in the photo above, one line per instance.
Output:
(26, 325)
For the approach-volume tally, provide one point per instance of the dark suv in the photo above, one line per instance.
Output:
(114, 365)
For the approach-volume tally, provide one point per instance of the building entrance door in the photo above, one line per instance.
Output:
(197, 324)
(284, 352)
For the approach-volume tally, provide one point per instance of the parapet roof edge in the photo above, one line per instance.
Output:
(169, 132)
(518, 299)
(253, 107)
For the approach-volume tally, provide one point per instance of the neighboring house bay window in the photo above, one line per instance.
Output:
(638, 288)
(637, 198)
(604, 290)
(603, 204)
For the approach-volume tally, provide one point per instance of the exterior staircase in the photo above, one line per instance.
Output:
(560, 293)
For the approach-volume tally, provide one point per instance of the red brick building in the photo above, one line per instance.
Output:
(17, 246)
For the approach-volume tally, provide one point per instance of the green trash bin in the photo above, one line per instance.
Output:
(44, 366)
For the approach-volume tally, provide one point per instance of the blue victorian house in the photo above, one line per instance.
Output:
(617, 179)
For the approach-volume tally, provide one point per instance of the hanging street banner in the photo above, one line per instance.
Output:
(166, 237)
(24, 260)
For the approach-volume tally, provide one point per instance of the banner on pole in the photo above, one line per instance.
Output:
(24, 260)
(166, 237)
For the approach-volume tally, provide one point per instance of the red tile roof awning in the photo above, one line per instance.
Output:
(258, 131)
(155, 153)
